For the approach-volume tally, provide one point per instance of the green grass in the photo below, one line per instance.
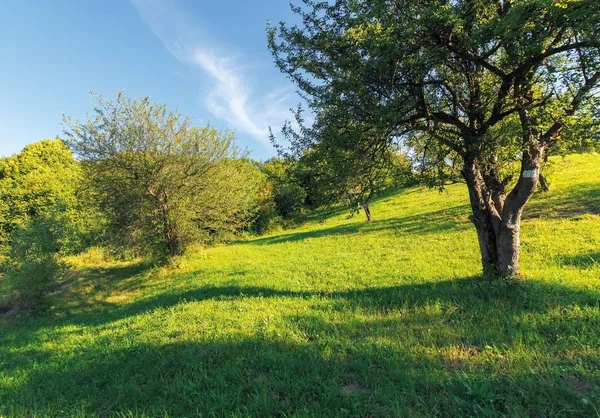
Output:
(335, 318)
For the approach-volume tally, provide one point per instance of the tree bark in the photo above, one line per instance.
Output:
(484, 217)
(496, 216)
(367, 210)
(509, 247)
(509, 239)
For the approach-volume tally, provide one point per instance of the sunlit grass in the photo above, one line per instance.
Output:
(334, 318)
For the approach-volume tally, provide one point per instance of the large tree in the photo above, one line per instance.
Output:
(454, 75)
(162, 182)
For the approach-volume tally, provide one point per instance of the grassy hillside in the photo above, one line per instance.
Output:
(336, 318)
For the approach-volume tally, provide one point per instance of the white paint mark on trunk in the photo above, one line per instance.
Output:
(529, 174)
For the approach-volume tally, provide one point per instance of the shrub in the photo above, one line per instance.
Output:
(289, 200)
(161, 182)
(33, 261)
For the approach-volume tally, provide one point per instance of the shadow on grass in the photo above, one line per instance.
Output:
(472, 294)
(576, 201)
(315, 364)
(440, 221)
(582, 261)
(429, 358)
(91, 286)
(254, 377)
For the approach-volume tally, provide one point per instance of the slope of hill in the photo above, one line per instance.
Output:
(335, 318)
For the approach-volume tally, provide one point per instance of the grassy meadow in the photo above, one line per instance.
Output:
(338, 317)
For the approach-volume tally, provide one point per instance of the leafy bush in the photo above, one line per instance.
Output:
(289, 200)
(42, 178)
(289, 197)
(33, 261)
(161, 182)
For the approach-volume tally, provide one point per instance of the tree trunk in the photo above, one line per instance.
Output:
(484, 217)
(509, 233)
(509, 247)
(367, 210)
(170, 237)
(486, 235)
(497, 217)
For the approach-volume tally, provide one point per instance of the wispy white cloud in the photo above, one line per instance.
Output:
(228, 90)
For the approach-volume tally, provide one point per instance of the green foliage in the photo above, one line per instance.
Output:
(44, 213)
(336, 318)
(266, 218)
(233, 200)
(353, 176)
(289, 198)
(33, 259)
(37, 181)
(326, 174)
(161, 182)
(582, 133)
(448, 72)
(336, 164)
(287, 192)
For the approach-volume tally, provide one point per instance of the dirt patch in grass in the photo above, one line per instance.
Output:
(459, 358)
(353, 389)
(579, 387)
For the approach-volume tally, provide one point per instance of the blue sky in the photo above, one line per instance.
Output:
(207, 57)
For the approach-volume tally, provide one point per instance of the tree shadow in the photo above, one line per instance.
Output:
(89, 287)
(417, 347)
(578, 200)
(440, 221)
(466, 295)
(330, 367)
(582, 261)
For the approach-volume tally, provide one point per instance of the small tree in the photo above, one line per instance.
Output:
(331, 163)
(353, 176)
(33, 262)
(454, 72)
(159, 179)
